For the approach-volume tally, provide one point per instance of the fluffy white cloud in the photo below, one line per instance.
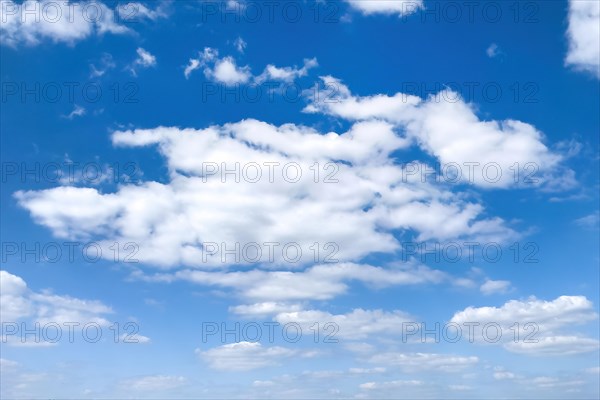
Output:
(225, 70)
(14, 304)
(399, 7)
(584, 36)
(320, 282)
(33, 21)
(244, 356)
(359, 188)
(494, 154)
(355, 325)
(145, 59)
(20, 304)
(541, 325)
(555, 345)
(286, 74)
(560, 312)
(222, 70)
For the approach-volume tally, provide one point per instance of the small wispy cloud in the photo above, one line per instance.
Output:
(493, 51)
(591, 221)
(106, 63)
(144, 60)
(78, 111)
(492, 287)
(240, 44)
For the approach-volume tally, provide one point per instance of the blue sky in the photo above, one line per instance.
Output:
(121, 216)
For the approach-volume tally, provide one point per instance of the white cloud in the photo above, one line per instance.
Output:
(360, 348)
(411, 362)
(78, 111)
(493, 50)
(236, 5)
(361, 371)
(106, 63)
(356, 325)
(20, 304)
(560, 312)
(446, 127)
(541, 325)
(171, 221)
(264, 309)
(31, 22)
(400, 7)
(491, 287)
(193, 65)
(135, 11)
(244, 356)
(390, 384)
(240, 44)
(593, 370)
(548, 382)
(502, 375)
(590, 221)
(153, 383)
(286, 74)
(584, 36)
(222, 70)
(134, 338)
(7, 366)
(555, 345)
(320, 282)
(263, 383)
(459, 387)
(19, 381)
(145, 59)
(225, 70)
